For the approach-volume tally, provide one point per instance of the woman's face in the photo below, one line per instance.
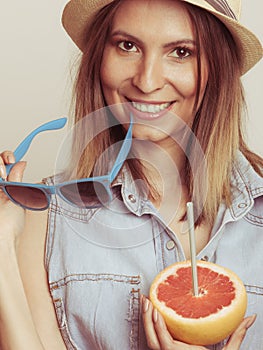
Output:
(150, 63)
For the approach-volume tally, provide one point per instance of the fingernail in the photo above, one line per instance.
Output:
(145, 304)
(155, 315)
(9, 160)
(251, 320)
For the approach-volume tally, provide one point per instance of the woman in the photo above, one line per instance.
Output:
(72, 277)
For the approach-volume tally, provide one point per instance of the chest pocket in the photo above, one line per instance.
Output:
(98, 311)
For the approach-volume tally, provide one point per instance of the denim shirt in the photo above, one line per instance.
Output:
(99, 261)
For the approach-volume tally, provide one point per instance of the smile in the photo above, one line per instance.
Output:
(150, 108)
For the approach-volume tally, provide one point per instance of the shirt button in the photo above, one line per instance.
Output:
(205, 258)
(170, 245)
(242, 205)
(131, 198)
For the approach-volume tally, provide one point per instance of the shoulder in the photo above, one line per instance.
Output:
(245, 179)
(247, 190)
(255, 215)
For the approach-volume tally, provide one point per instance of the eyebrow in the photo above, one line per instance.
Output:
(167, 45)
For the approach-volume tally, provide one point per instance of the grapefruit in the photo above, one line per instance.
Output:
(204, 319)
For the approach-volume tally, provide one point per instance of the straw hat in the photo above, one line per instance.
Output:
(77, 14)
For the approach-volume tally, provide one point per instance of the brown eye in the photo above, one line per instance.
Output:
(127, 46)
(181, 52)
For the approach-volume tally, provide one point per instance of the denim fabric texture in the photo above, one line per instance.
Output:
(99, 261)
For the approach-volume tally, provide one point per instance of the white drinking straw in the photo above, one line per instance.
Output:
(190, 219)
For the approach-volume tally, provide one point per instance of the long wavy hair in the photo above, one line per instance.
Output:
(218, 123)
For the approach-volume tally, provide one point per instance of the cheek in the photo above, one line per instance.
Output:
(108, 75)
(184, 81)
(106, 78)
(113, 73)
(189, 86)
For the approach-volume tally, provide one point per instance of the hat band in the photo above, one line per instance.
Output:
(223, 7)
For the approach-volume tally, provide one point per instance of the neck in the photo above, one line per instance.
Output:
(164, 166)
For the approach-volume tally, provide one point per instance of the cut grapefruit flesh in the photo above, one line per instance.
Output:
(204, 319)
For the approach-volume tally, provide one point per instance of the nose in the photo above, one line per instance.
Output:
(149, 75)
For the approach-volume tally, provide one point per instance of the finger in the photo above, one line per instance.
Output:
(147, 309)
(164, 337)
(8, 157)
(162, 333)
(237, 337)
(2, 171)
(16, 173)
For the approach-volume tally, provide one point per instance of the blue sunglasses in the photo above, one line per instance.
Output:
(91, 192)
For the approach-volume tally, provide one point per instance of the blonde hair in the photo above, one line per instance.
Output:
(218, 123)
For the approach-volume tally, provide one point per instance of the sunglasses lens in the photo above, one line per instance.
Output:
(85, 194)
(28, 197)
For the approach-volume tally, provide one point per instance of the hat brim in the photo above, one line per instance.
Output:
(77, 14)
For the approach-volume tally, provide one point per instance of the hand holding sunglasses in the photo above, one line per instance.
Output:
(85, 193)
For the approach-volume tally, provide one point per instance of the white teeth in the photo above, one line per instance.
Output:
(150, 108)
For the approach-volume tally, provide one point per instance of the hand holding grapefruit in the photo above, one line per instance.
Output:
(207, 318)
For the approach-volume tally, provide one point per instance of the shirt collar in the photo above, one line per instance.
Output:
(246, 185)
(134, 200)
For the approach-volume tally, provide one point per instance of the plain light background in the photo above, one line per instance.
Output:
(35, 80)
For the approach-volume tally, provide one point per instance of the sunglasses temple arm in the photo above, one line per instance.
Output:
(23, 147)
(124, 151)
